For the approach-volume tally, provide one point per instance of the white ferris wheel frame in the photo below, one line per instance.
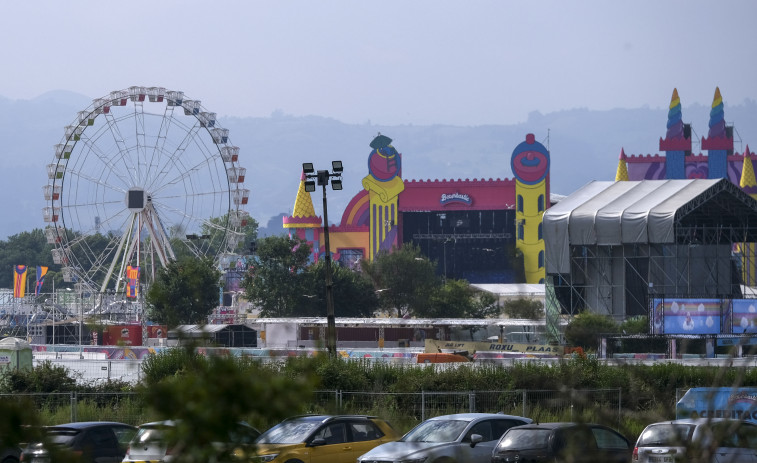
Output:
(148, 165)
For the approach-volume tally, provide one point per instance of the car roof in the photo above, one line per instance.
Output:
(700, 421)
(153, 424)
(88, 424)
(157, 424)
(327, 417)
(556, 425)
(476, 416)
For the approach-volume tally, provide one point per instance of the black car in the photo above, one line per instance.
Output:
(10, 454)
(88, 441)
(559, 442)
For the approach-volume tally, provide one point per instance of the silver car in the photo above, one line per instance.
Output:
(463, 437)
(714, 440)
(151, 442)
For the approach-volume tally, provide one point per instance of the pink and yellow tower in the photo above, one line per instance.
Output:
(303, 222)
(530, 165)
(384, 185)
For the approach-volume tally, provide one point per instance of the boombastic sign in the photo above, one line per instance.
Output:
(719, 402)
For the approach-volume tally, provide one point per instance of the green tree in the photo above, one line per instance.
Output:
(457, 299)
(404, 279)
(353, 293)
(275, 282)
(209, 395)
(586, 329)
(522, 307)
(184, 292)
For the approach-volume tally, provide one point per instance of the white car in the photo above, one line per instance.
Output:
(463, 438)
(716, 440)
(151, 442)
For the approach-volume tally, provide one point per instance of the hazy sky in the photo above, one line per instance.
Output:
(390, 61)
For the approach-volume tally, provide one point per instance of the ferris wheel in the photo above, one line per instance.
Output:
(140, 177)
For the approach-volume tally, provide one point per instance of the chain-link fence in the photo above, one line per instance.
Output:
(65, 407)
(405, 410)
(595, 405)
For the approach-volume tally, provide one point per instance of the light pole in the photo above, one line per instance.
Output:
(322, 177)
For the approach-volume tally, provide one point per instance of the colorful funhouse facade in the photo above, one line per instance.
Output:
(483, 231)
(679, 161)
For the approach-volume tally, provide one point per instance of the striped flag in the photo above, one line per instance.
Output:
(132, 282)
(41, 272)
(19, 280)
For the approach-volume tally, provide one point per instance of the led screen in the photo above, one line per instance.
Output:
(686, 316)
(744, 316)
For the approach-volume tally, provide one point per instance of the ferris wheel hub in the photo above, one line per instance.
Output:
(136, 198)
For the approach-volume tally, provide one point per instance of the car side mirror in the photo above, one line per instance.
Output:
(475, 439)
(317, 442)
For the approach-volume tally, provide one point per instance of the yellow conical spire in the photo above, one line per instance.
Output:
(747, 171)
(303, 203)
(717, 99)
(622, 174)
(674, 100)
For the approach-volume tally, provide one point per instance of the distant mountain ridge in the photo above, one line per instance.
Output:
(584, 146)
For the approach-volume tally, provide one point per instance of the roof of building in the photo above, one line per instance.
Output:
(200, 330)
(641, 212)
(512, 289)
(398, 322)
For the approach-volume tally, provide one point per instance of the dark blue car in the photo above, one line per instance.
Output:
(89, 441)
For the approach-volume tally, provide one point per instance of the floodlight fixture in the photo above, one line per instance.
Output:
(310, 186)
(336, 184)
(307, 167)
(323, 177)
(336, 166)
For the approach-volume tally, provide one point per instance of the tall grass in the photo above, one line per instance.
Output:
(556, 392)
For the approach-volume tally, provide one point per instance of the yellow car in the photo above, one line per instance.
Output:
(323, 439)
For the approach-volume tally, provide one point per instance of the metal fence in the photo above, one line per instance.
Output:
(405, 410)
(596, 405)
(65, 407)
(94, 370)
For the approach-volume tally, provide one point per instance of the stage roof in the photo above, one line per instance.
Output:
(642, 212)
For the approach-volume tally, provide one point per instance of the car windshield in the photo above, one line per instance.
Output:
(666, 434)
(436, 431)
(524, 439)
(288, 432)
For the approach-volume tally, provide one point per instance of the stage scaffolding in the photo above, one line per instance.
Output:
(706, 248)
(56, 318)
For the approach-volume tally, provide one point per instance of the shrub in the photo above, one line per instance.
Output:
(45, 377)
(586, 329)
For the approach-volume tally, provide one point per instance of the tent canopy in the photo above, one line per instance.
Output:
(643, 212)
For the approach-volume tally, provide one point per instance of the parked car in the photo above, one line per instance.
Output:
(10, 454)
(562, 442)
(87, 441)
(463, 437)
(716, 440)
(323, 438)
(153, 442)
